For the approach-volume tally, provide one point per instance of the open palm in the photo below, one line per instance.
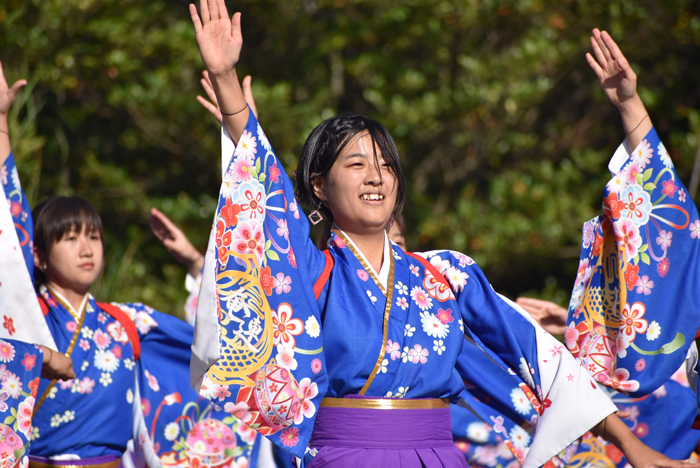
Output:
(218, 36)
(614, 72)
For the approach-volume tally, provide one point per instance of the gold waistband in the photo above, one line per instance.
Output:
(385, 403)
(38, 464)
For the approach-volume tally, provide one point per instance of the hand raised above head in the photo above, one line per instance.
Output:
(612, 68)
(218, 36)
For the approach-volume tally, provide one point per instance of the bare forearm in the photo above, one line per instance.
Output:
(615, 431)
(231, 101)
(635, 120)
(195, 267)
(5, 148)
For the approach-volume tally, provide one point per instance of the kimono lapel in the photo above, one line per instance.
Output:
(365, 274)
(384, 308)
(80, 317)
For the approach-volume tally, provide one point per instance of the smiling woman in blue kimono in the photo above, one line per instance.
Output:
(131, 361)
(352, 360)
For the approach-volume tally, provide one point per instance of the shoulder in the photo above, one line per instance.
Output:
(142, 316)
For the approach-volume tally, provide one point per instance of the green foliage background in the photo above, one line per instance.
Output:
(505, 131)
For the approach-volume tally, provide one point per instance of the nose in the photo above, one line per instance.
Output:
(85, 247)
(373, 176)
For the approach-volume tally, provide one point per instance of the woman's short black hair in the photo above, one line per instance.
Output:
(324, 145)
(57, 216)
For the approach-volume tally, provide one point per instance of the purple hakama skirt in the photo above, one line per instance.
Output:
(363, 437)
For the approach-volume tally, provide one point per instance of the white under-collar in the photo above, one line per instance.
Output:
(383, 275)
(64, 302)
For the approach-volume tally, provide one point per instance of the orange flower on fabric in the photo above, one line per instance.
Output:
(223, 241)
(266, 279)
(230, 213)
(631, 276)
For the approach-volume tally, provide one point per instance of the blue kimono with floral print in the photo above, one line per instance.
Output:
(633, 312)
(20, 366)
(183, 426)
(489, 437)
(171, 424)
(619, 260)
(285, 340)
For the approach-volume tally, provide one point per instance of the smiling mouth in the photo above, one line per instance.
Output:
(372, 197)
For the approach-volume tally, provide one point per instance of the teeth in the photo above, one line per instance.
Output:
(372, 196)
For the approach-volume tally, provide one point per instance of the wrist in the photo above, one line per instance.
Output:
(225, 77)
(632, 106)
(193, 259)
(195, 266)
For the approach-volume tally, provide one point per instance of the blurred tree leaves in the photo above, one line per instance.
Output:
(505, 131)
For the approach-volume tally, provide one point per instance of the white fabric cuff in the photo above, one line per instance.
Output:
(619, 158)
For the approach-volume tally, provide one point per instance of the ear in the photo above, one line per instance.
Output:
(39, 257)
(319, 184)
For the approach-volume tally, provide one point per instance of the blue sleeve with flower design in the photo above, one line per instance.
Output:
(20, 210)
(181, 425)
(633, 311)
(19, 373)
(257, 295)
(565, 398)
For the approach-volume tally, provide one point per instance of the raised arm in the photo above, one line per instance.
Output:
(219, 39)
(620, 85)
(7, 97)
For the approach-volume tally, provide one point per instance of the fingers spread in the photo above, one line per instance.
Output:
(248, 94)
(195, 18)
(16, 87)
(207, 105)
(236, 26)
(213, 10)
(223, 12)
(209, 89)
(204, 9)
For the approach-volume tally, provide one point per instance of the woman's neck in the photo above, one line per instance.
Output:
(371, 245)
(74, 298)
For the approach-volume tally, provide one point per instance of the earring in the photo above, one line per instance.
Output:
(42, 267)
(315, 216)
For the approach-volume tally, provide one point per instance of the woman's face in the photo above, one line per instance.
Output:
(360, 198)
(75, 261)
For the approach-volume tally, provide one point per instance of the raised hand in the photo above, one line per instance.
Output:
(213, 105)
(549, 315)
(620, 85)
(176, 242)
(7, 94)
(614, 72)
(218, 36)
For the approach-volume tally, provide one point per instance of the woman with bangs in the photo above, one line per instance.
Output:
(132, 363)
(354, 362)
